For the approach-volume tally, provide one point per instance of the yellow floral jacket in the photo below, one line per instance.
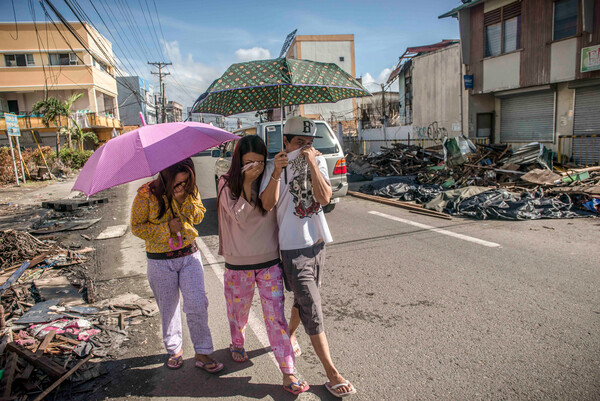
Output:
(146, 225)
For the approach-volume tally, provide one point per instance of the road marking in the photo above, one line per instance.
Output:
(438, 230)
(256, 325)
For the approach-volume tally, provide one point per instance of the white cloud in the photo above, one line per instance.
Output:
(374, 85)
(189, 78)
(255, 53)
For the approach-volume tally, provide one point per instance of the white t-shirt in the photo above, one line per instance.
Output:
(300, 217)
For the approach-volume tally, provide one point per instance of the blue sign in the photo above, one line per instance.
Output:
(468, 81)
(12, 124)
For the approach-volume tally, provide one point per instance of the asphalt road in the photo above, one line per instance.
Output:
(413, 311)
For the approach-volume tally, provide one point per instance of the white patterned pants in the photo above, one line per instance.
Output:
(167, 278)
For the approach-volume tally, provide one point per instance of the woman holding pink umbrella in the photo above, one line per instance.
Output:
(163, 214)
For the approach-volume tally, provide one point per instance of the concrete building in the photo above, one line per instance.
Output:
(338, 49)
(534, 66)
(50, 62)
(430, 90)
(132, 102)
(174, 112)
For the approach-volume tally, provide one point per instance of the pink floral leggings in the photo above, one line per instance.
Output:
(239, 291)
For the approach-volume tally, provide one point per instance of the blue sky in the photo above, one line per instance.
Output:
(202, 38)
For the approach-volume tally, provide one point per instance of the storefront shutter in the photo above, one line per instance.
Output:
(527, 117)
(586, 150)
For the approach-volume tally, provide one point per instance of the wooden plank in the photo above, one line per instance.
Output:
(427, 214)
(68, 340)
(536, 34)
(40, 351)
(9, 374)
(403, 205)
(58, 288)
(41, 362)
(63, 378)
(477, 48)
(14, 277)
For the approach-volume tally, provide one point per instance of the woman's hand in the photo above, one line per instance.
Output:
(251, 174)
(179, 193)
(280, 162)
(175, 225)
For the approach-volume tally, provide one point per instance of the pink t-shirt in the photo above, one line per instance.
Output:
(246, 235)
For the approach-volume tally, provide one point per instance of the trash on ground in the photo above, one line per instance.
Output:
(479, 181)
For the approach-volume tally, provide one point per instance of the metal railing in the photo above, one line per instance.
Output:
(365, 146)
(579, 149)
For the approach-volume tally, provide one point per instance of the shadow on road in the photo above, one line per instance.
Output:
(147, 376)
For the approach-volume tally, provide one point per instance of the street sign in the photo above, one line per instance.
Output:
(12, 124)
(468, 81)
(590, 58)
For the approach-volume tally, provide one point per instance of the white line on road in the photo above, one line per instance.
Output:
(257, 325)
(438, 230)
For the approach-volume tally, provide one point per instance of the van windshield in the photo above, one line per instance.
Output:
(326, 145)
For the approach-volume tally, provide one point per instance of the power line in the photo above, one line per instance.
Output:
(155, 36)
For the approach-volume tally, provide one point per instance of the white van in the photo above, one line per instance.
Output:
(270, 132)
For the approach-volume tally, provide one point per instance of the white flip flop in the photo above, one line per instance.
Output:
(332, 389)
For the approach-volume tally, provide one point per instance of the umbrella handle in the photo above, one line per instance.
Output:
(180, 241)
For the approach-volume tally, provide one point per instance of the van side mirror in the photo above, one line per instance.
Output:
(216, 153)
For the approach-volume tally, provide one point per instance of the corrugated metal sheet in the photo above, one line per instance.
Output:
(527, 117)
(586, 149)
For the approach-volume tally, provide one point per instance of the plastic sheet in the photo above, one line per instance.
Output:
(402, 188)
(504, 205)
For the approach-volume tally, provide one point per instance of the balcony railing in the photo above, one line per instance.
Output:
(30, 121)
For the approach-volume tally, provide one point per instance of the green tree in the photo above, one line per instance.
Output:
(52, 110)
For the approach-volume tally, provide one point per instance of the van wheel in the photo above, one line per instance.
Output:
(329, 208)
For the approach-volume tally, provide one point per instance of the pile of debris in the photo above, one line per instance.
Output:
(52, 330)
(480, 181)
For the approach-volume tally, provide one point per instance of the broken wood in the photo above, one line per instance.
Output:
(14, 277)
(63, 378)
(9, 374)
(52, 368)
(403, 205)
(68, 340)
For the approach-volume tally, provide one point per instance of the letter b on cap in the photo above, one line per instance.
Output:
(307, 127)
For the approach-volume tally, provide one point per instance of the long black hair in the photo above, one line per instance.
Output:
(164, 184)
(235, 176)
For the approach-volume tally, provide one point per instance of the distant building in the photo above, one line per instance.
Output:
(382, 107)
(227, 123)
(174, 112)
(132, 102)
(534, 73)
(46, 63)
(338, 49)
(431, 93)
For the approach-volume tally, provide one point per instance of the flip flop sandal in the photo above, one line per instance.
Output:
(296, 349)
(242, 352)
(302, 389)
(218, 366)
(332, 389)
(178, 362)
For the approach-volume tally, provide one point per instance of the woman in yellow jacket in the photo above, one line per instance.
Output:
(163, 214)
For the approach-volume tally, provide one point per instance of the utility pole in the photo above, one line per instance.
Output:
(160, 65)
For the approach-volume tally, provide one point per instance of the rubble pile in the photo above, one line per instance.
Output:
(53, 335)
(479, 181)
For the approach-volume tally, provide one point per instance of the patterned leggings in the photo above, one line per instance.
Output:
(239, 291)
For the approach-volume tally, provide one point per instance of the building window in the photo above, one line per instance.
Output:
(18, 60)
(565, 18)
(63, 59)
(503, 30)
(341, 59)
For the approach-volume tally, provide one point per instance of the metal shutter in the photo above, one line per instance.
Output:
(527, 118)
(586, 150)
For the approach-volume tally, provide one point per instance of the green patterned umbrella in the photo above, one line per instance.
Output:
(269, 84)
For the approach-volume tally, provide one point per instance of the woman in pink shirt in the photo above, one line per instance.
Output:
(248, 239)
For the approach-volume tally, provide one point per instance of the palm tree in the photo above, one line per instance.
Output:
(52, 110)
